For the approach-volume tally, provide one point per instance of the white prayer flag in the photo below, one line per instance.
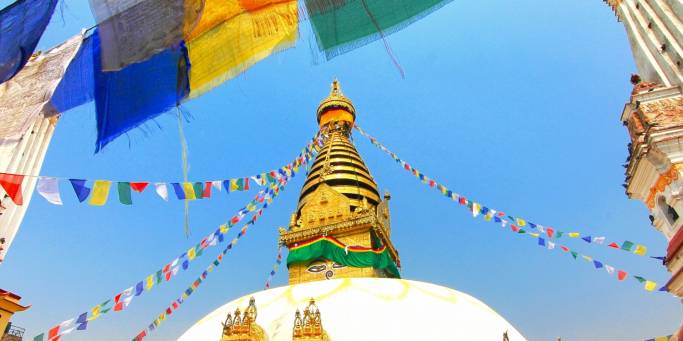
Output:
(599, 240)
(217, 184)
(48, 188)
(162, 190)
(609, 269)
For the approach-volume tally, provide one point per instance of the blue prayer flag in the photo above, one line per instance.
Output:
(21, 26)
(129, 97)
(77, 86)
(82, 192)
(178, 190)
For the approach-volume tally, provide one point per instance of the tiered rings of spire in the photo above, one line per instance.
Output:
(338, 163)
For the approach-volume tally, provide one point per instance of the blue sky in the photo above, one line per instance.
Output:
(513, 103)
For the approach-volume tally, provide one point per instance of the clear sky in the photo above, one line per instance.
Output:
(513, 103)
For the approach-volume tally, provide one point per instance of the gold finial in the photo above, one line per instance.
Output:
(336, 91)
(243, 325)
(310, 327)
(336, 100)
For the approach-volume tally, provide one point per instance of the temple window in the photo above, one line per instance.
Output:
(670, 214)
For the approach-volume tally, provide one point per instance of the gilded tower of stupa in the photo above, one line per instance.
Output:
(340, 211)
(344, 282)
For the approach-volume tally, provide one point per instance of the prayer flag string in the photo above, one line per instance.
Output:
(99, 192)
(175, 304)
(546, 236)
(276, 267)
(120, 301)
(490, 214)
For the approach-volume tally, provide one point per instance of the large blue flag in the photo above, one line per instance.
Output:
(21, 26)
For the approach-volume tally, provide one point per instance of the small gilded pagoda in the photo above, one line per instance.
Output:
(344, 268)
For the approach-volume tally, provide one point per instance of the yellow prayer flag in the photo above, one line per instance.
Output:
(95, 313)
(476, 209)
(235, 38)
(521, 222)
(573, 234)
(150, 282)
(162, 316)
(587, 258)
(650, 285)
(224, 229)
(189, 191)
(535, 235)
(100, 193)
(640, 250)
(191, 253)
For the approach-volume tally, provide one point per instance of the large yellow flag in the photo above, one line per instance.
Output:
(233, 35)
(650, 285)
(100, 193)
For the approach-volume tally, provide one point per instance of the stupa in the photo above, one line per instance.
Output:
(344, 277)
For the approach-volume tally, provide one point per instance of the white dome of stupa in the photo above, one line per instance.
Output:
(367, 309)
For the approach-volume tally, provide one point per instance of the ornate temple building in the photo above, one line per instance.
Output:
(654, 119)
(344, 277)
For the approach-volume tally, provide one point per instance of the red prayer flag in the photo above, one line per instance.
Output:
(462, 201)
(169, 311)
(621, 275)
(118, 306)
(514, 228)
(432, 183)
(246, 184)
(614, 245)
(11, 183)
(175, 305)
(53, 333)
(141, 335)
(550, 231)
(168, 276)
(207, 190)
(564, 248)
(138, 186)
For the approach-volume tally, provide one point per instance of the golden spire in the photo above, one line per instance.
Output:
(339, 203)
(338, 164)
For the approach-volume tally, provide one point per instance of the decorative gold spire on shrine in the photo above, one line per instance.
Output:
(242, 326)
(338, 164)
(339, 199)
(310, 327)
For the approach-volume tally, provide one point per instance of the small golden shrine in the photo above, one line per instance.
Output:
(310, 327)
(341, 226)
(242, 326)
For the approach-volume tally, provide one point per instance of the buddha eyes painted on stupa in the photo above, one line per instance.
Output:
(322, 265)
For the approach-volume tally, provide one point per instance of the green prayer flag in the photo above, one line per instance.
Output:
(199, 190)
(39, 337)
(574, 254)
(521, 231)
(124, 193)
(559, 234)
(627, 246)
(640, 279)
(159, 276)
